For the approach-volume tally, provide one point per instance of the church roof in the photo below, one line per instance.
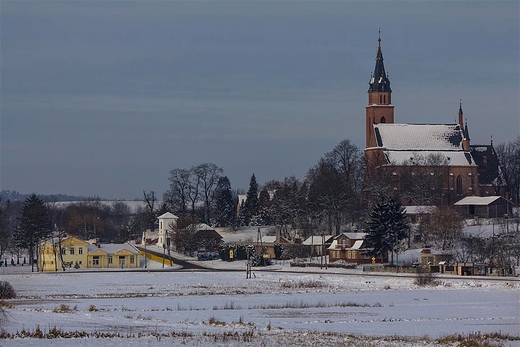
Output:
(433, 137)
(379, 81)
(408, 144)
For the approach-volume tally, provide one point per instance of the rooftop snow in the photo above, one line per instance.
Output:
(433, 137)
(477, 200)
(454, 158)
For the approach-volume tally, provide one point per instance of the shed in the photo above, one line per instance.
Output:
(483, 207)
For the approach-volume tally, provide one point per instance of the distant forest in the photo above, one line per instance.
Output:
(13, 195)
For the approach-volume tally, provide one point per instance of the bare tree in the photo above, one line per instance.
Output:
(509, 158)
(208, 175)
(150, 199)
(423, 180)
(177, 195)
(445, 227)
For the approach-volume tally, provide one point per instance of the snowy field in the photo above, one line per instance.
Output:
(274, 308)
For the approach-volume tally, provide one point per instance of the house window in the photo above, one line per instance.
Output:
(132, 259)
(80, 250)
(459, 185)
(63, 251)
(71, 250)
(349, 254)
(110, 259)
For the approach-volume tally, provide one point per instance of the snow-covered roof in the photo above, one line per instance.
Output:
(316, 240)
(477, 200)
(418, 209)
(167, 215)
(433, 137)
(454, 158)
(268, 239)
(200, 226)
(357, 244)
(353, 236)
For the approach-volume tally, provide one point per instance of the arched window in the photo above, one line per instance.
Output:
(459, 185)
(382, 120)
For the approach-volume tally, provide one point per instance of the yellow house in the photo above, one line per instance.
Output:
(62, 252)
(113, 256)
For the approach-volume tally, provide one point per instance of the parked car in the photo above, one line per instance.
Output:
(208, 256)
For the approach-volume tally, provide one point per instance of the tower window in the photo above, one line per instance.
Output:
(380, 99)
(384, 99)
(382, 120)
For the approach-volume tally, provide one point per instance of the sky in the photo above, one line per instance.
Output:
(105, 98)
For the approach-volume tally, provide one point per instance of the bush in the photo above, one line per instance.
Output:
(425, 278)
(6, 290)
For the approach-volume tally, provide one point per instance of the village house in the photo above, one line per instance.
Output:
(69, 252)
(113, 255)
(62, 252)
(317, 245)
(350, 247)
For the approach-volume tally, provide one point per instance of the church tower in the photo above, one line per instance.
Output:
(379, 108)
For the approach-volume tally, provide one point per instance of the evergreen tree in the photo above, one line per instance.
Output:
(263, 207)
(34, 225)
(225, 209)
(251, 204)
(387, 226)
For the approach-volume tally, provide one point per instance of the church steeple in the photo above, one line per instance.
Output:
(461, 119)
(380, 108)
(379, 81)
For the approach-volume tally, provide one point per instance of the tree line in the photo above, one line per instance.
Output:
(332, 195)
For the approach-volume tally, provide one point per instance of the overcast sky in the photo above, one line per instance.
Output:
(105, 98)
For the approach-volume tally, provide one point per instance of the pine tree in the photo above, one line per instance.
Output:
(263, 207)
(251, 204)
(387, 226)
(225, 209)
(34, 225)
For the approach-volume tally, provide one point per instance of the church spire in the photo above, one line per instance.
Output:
(461, 121)
(379, 81)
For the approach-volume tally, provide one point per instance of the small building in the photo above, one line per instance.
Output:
(351, 248)
(167, 224)
(483, 207)
(207, 237)
(113, 256)
(431, 257)
(70, 252)
(62, 252)
(416, 214)
(318, 244)
(268, 243)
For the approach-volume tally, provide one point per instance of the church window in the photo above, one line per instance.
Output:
(459, 185)
(384, 99)
(383, 120)
(380, 99)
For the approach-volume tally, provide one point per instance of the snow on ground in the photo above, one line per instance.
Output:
(272, 308)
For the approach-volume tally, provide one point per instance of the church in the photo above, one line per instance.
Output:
(424, 164)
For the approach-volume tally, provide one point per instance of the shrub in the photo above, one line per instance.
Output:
(6, 290)
(425, 278)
